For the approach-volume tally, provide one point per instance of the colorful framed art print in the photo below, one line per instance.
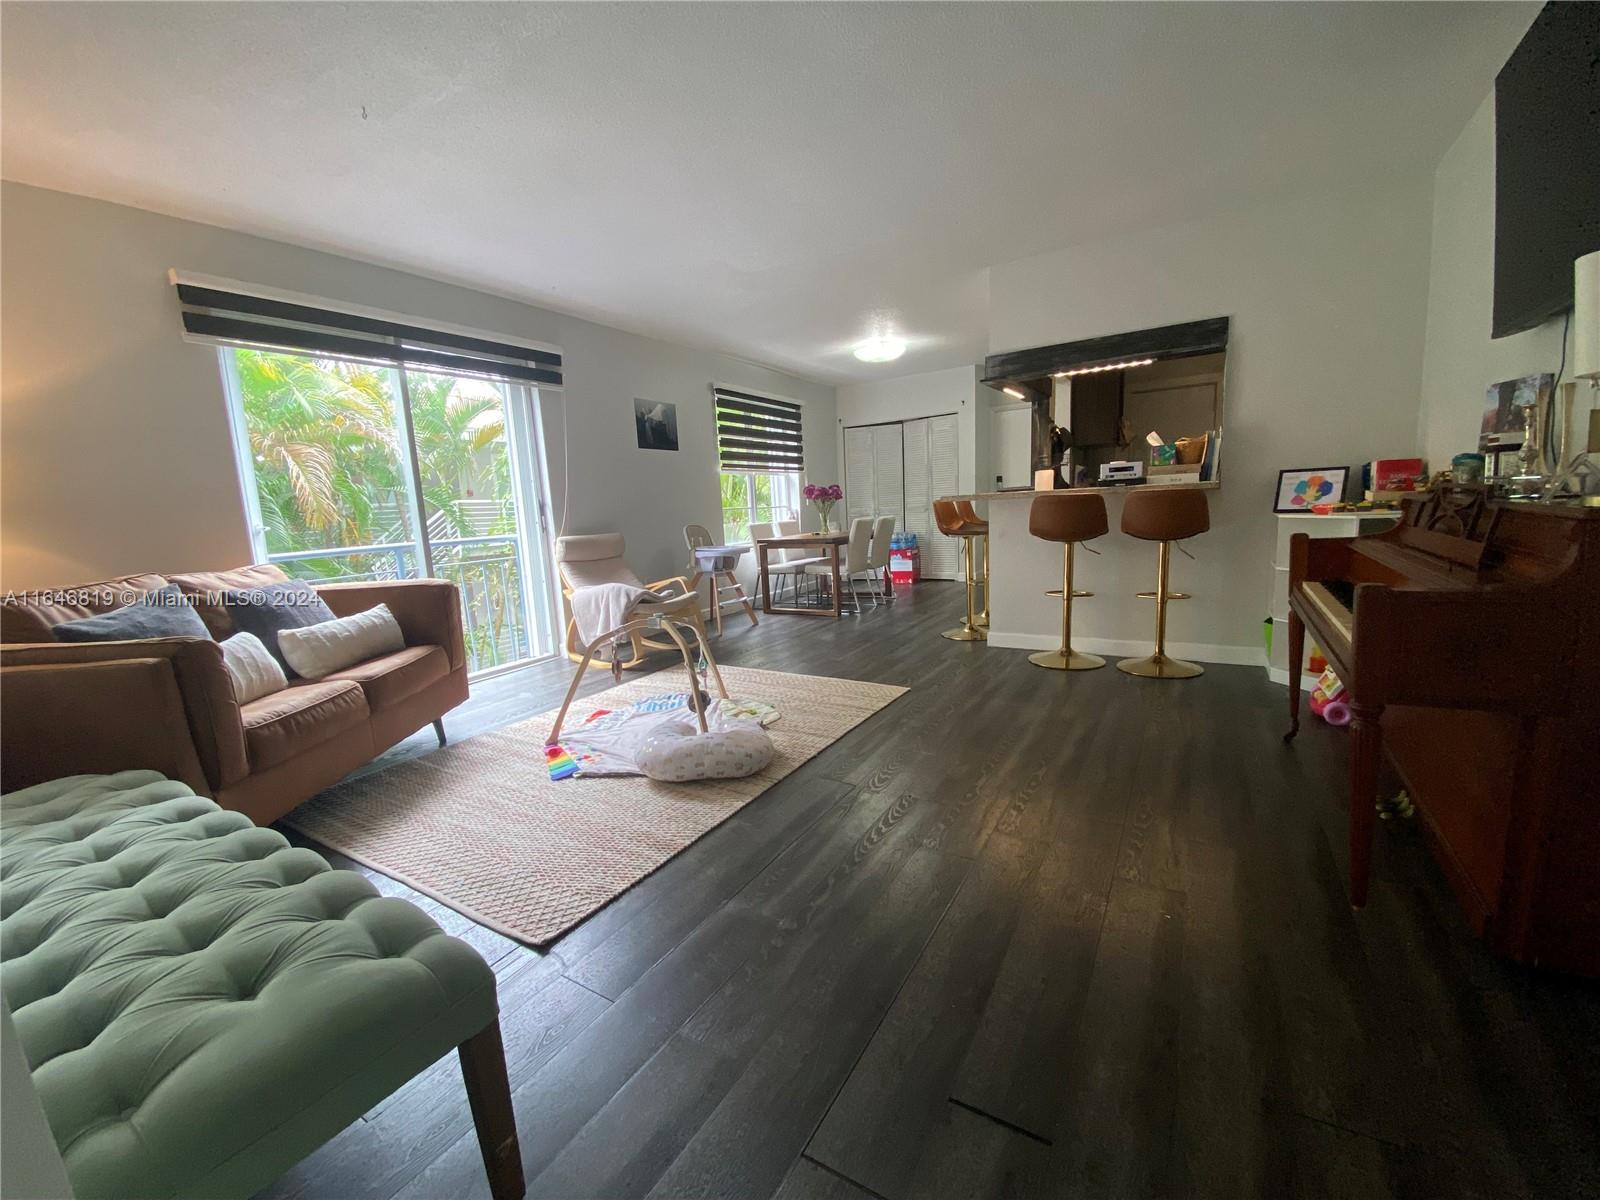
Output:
(1301, 488)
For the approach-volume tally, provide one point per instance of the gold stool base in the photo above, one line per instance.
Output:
(981, 621)
(1159, 666)
(965, 635)
(1054, 660)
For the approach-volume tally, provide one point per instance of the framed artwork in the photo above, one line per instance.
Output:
(1503, 405)
(656, 423)
(1301, 487)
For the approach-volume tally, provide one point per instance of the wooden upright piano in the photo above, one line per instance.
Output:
(1468, 636)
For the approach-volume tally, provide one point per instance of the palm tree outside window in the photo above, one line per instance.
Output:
(752, 498)
(356, 471)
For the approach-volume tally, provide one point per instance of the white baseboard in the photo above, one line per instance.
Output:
(1281, 675)
(1237, 656)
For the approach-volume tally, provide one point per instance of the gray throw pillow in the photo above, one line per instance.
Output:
(265, 610)
(161, 614)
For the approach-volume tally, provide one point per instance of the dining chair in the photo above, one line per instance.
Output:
(878, 556)
(855, 563)
(796, 558)
(760, 531)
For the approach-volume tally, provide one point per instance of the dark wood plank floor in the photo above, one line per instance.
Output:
(1021, 934)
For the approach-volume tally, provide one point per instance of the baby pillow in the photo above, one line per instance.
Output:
(678, 752)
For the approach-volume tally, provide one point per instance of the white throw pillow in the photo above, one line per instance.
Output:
(315, 651)
(678, 752)
(255, 673)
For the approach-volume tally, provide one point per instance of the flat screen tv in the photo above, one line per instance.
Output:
(1547, 164)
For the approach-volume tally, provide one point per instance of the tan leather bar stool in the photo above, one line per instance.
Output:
(973, 520)
(1164, 515)
(948, 518)
(1068, 518)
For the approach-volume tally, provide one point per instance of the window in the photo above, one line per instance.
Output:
(761, 452)
(749, 498)
(373, 447)
(356, 471)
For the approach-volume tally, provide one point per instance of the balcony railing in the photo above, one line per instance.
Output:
(485, 569)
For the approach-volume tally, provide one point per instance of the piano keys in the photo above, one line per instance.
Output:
(1468, 637)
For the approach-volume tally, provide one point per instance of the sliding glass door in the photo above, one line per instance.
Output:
(471, 507)
(362, 472)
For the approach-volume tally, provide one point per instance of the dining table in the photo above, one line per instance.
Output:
(829, 545)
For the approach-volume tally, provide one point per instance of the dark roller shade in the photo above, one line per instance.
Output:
(757, 433)
(239, 319)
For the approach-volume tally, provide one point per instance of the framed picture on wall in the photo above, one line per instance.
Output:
(1301, 487)
(1504, 405)
(656, 424)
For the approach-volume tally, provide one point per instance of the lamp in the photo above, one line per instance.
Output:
(1585, 365)
(882, 348)
(1586, 317)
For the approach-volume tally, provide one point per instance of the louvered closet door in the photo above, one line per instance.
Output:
(940, 555)
(943, 480)
(860, 473)
(919, 506)
(889, 491)
(930, 458)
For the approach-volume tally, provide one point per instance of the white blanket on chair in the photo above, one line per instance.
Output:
(603, 607)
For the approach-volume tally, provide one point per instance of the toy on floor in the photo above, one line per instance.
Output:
(674, 737)
(561, 764)
(1329, 699)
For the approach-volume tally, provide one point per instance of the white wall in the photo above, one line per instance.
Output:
(1327, 296)
(1460, 359)
(114, 430)
(928, 394)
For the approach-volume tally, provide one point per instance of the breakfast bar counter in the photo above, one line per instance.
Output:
(1106, 490)
(1022, 569)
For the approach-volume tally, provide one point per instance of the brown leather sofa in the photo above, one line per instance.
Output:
(261, 758)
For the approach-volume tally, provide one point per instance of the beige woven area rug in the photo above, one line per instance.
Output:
(480, 826)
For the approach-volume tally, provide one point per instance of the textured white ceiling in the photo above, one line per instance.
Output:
(769, 180)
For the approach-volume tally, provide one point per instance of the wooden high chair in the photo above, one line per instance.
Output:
(723, 580)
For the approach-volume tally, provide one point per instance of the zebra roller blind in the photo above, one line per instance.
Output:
(236, 318)
(758, 433)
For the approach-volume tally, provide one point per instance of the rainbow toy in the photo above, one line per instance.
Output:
(561, 764)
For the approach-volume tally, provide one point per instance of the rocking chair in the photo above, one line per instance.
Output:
(584, 560)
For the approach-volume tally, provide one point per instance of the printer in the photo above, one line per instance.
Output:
(1122, 472)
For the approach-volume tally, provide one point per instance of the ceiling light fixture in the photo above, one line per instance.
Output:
(883, 348)
(1119, 366)
(1014, 392)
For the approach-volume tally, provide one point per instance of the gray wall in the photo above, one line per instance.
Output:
(114, 431)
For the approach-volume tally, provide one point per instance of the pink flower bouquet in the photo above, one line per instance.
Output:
(824, 496)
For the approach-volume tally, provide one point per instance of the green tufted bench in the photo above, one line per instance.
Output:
(202, 1004)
